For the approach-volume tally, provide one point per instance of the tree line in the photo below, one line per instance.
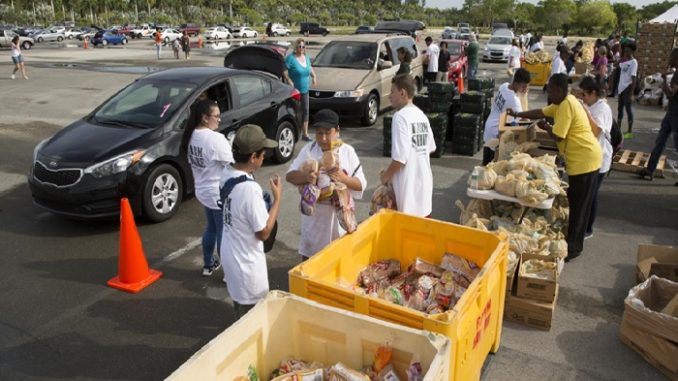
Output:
(547, 16)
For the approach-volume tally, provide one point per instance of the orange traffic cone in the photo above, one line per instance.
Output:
(460, 82)
(133, 272)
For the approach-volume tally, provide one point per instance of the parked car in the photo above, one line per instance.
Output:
(498, 26)
(497, 48)
(72, 33)
(87, 33)
(190, 29)
(217, 33)
(411, 27)
(464, 33)
(130, 145)
(168, 35)
(463, 25)
(127, 30)
(111, 37)
(6, 36)
(22, 32)
(364, 29)
(354, 74)
(307, 28)
(458, 59)
(48, 35)
(449, 33)
(280, 30)
(244, 32)
(142, 31)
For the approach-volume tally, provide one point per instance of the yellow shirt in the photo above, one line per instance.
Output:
(579, 145)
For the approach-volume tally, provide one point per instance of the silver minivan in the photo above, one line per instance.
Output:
(354, 74)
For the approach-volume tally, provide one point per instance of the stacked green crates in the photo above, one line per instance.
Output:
(455, 108)
(473, 102)
(481, 83)
(466, 137)
(439, 127)
(388, 120)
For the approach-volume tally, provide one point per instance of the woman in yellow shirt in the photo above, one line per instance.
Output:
(572, 132)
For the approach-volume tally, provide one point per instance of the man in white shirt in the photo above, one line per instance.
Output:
(432, 53)
(247, 223)
(322, 227)
(411, 144)
(628, 69)
(506, 98)
(514, 57)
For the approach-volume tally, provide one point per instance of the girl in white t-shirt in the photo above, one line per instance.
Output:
(18, 58)
(208, 153)
(600, 118)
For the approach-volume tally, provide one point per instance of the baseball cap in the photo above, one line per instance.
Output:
(250, 138)
(326, 118)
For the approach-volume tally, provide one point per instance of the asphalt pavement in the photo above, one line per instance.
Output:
(59, 320)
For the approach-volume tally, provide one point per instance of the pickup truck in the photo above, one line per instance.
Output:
(6, 36)
(142, 31)
(190, 29)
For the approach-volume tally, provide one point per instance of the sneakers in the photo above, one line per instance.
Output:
(572, 255)
(207, 271)
(645, 175)
(588, 235)
(13, 76)
(628, 135)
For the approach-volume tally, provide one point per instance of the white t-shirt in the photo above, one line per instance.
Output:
(505, 99)
(318, 230)
(602, 114)
(433, 52)
(558, 66)
(242, 253)
(16, 50)
(629, 69)
(208, 153)
(537, 46)
(411, 143)
(514, 57)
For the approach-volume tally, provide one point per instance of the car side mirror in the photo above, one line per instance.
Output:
(384, 65)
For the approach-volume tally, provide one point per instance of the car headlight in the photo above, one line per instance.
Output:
(487, 49)
(115, 165)
(37, 148)
(348, 94)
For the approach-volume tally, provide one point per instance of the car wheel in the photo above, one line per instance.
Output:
(167, 40)
(40, 39)
(285, 138)
(104, 42)
(70, 37)
(228, 36)
(275, 34)
(288, 34)
(324, 34)
(371, 111)
(256, 34)
(59, 39)
(162, 193)
(26, 45)
(124, 41)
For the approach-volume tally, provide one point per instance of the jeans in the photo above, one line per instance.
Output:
(158, 50)
(625, 102)
(580, 195)
(441, 76)
(594, 204)
(669, 126)
(472, 70)
(212, 235)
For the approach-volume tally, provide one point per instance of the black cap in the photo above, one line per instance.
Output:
(326, 118)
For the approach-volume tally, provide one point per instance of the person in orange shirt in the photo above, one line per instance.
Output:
(158, 42)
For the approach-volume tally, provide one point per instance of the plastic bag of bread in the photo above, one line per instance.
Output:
(539, 269)
(506, 185)
(519, 161)
(341, 372)
(486, 177)
(343, 202)
(378, 271)
(309, 196)
(383, 198)
(499, 167)
(507, 144)
(478, 223)
(480, 208)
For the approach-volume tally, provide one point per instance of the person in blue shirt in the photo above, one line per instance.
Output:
(299, 71)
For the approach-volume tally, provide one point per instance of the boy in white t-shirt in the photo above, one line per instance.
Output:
(628, 69)
(247, 223)
(431, 58)
(322, 227)
(411, 144)
(506, 98)
(514, 58)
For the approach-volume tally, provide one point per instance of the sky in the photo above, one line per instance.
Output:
(459, 3)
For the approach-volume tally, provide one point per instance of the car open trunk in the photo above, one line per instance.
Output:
(257, 57)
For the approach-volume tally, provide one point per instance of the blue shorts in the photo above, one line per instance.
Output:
(18, 59)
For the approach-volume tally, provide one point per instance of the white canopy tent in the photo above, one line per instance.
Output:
(670, 15)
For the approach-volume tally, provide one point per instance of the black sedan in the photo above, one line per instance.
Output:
(130, 145)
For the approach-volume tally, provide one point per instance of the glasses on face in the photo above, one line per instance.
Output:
(302, 46)
(215, 116)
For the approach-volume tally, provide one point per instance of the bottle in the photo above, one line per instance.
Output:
(473, 183)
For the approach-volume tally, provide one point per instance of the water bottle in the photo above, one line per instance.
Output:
(474, 179)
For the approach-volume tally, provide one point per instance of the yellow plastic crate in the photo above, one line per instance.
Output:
(473, 326)
(539, 73)
(284, 326)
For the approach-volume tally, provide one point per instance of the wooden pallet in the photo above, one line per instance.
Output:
(635, 161)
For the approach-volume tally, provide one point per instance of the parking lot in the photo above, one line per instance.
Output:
(59, 320)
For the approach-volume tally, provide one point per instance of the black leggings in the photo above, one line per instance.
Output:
(625, 103)
(580, 195)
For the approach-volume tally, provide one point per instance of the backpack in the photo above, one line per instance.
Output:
(616, 138)
(226, 190)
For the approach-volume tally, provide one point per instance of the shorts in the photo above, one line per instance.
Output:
(18, 59)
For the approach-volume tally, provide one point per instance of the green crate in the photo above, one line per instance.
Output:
(481, 83)
(423, 102)
(438, 106)
(387, 121)
(440, 149)
(473, 97)
(465, 149)
(466, 120)
(473, 108)
(442, 88)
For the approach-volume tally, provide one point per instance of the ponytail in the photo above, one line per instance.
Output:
(198, 110)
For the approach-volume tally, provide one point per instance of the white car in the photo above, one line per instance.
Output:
(280, 30)
(72, 33)
(168, 35)
(497, 49)
(244, 32)
(49, 35)
(142, 31)
(217, 33)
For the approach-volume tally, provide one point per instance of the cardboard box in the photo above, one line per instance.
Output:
(522, 132)
(661, 261)
(581, 67)
(529, 312)
(538, 289)
(511, 276)
(652, 334)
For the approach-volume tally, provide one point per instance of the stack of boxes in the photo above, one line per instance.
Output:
(436, 105)
(469, 122)
(654, 44)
